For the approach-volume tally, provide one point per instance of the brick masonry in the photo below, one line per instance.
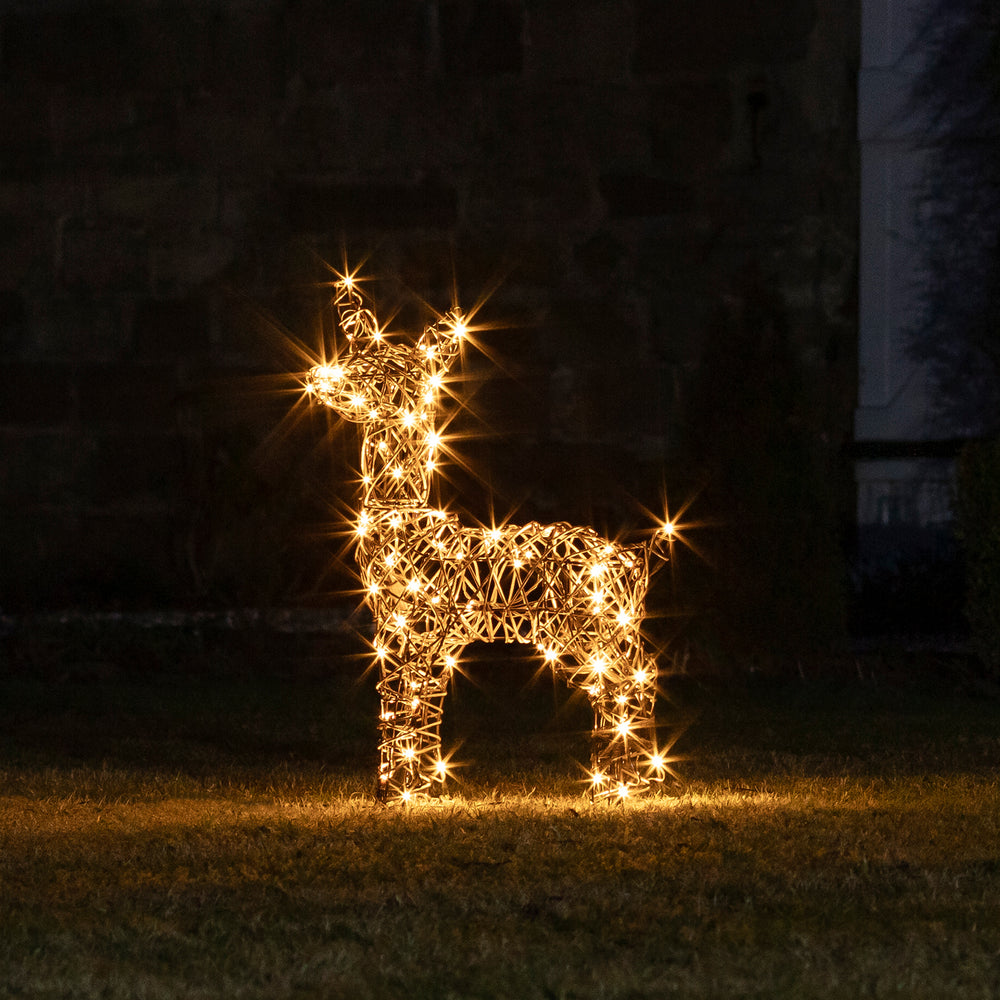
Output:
(173, 174)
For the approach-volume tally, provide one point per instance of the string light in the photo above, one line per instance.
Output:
(435, 585)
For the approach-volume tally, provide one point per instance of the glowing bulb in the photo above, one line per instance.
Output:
(640, 676)
(409, 753)
(441, 767)
(623, 791)
(413, 586)
(329, 373)
(624, 727)
(598, 778)
(656, 762)
(668, 529)
(357, 400)
(433, 440)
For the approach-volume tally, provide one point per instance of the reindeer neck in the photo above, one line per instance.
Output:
(396, 466)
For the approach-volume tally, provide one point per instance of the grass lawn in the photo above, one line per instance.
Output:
(212, 835)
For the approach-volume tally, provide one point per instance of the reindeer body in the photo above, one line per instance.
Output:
(434, 585)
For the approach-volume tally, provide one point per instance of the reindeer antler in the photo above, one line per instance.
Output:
(358, 323)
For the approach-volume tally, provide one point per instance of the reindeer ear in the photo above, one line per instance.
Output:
(443, 338)
(456, 321)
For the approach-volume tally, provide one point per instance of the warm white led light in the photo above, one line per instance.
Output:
(435, 585)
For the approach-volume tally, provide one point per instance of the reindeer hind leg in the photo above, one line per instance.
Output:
(624, 759)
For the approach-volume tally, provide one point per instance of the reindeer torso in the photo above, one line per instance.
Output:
(516, 583)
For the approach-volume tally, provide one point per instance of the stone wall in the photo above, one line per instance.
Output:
(627, 181)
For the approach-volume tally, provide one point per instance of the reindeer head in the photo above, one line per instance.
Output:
(392, 391)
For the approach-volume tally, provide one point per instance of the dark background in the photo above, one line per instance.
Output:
(660, 198)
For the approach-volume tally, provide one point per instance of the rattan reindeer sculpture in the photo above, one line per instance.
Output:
(434, 585)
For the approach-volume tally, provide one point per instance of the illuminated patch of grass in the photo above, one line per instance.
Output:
(822, 846)
(820, 887)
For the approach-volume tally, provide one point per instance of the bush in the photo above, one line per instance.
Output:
(978, 529)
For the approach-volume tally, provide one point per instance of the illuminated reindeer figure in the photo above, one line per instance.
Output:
(434, 585)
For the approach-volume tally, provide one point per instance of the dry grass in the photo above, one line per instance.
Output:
(828, 843)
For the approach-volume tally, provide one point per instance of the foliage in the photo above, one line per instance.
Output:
(919, 593)
(959, 330)
(979, 531)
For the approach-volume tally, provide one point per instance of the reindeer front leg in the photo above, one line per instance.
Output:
(412, 687)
